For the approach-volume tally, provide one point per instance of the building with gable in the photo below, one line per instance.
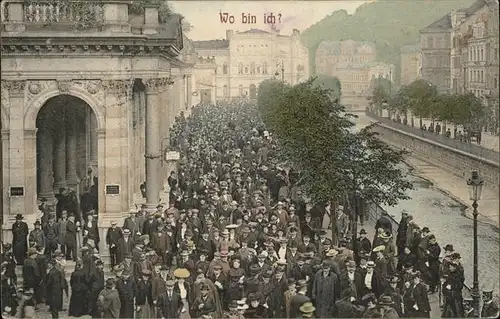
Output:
(354, 64)
(411, 63)
(244, 59)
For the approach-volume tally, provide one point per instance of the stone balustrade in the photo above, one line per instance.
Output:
(83, 15)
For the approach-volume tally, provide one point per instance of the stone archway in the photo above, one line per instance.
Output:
(66, 146)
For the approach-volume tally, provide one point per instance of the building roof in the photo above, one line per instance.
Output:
(474, 7)
(410, 48)
(255, 31)
(211, 44)
(444, 23)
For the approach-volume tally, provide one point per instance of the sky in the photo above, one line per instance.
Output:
(205, 16)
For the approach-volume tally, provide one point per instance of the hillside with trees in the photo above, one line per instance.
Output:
(389, 24)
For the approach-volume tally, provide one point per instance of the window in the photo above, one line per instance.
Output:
(240, 68)
(481, 55)
(482, 76)
(225, 91)
(430, 43)
(252, 68)
(495, 82)
(258, 70)
(240, 89)
(264, 68)
(246, 70)
(224, 68)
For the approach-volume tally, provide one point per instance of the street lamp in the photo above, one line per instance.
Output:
(475, 184)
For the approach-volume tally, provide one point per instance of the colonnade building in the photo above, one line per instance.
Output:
(85, 104)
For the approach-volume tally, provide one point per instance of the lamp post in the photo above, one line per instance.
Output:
(475, 184)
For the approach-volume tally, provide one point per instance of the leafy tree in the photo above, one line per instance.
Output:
(420, 97)
(467, 110)
(316, 134)
(330, 83)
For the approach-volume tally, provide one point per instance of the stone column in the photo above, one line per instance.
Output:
(93, 139)
(71, 176)
(46, 164)
(153, 153)
(60, 152)
(189, 91)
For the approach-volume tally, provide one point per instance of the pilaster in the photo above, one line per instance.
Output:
(153, 153)
(71, 176)
(60, 151)
(115, 157)
(16, 167)
(5, 175)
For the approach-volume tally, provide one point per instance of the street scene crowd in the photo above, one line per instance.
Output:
(239, 239)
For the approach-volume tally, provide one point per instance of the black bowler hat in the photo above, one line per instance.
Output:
(19, 217)
(362, 231)
(449, 247)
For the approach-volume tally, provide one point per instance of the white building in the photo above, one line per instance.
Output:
(245, 59)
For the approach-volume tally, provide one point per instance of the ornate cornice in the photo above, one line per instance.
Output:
(10, 47)
(14, 87)
(118, 87)
(155, 85)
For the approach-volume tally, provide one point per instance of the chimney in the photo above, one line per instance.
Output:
(229, 33)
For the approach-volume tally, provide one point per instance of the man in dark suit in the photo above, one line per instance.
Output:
(169, 303)
(51, 233)
(384, 222)
(298, 299)
(131, 223)
(361, 244)
(127, 290)
(19, 240)
(56, 284)
(70, 238)
(421, 308)
(112, 237)
(124, 246)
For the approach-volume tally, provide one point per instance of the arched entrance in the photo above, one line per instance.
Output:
(253, 91)
(67, 153)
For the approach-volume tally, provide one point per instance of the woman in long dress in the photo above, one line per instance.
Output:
(79, 291)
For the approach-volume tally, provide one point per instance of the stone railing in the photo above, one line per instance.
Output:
(475, 150)
(90, 15)
(64, 11)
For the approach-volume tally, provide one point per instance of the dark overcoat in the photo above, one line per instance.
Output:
(55, 286)
(325, 291)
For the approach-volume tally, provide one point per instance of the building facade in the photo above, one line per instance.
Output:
(411, 63)
(80, 111)
(333, 54)
(354, 64)
(435, 46)
(245, 59)
(474, 54)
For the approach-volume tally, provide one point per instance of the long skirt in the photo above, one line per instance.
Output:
(78, 304)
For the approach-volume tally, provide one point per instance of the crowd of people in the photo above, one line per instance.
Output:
(238, 239)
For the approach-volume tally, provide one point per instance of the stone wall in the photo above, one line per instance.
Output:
(454, 161)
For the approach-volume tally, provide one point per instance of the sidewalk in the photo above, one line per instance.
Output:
(456, 188)
(488, 141)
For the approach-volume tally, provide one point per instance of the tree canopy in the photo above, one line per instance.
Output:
(423, 100)
(317, 135)
(388, 24)
(330, 83)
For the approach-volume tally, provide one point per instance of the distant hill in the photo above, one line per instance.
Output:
(389, 24)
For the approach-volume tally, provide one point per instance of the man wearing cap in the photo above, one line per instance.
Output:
(127, 290)
(51, 233)
(384, 222)
(387, 308)
(109, 303)
(362, 243)
(490, 307)
(351, 278)
(125, 245)
(452, 294)
(169, 304)
(221, 281)
(113, 236)
(56, 284)
(393, 291)
(96, 284)
(132, 224)
(31, 272)
(325, 291)
(299, 298)
(421, 307)
(402, 232)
